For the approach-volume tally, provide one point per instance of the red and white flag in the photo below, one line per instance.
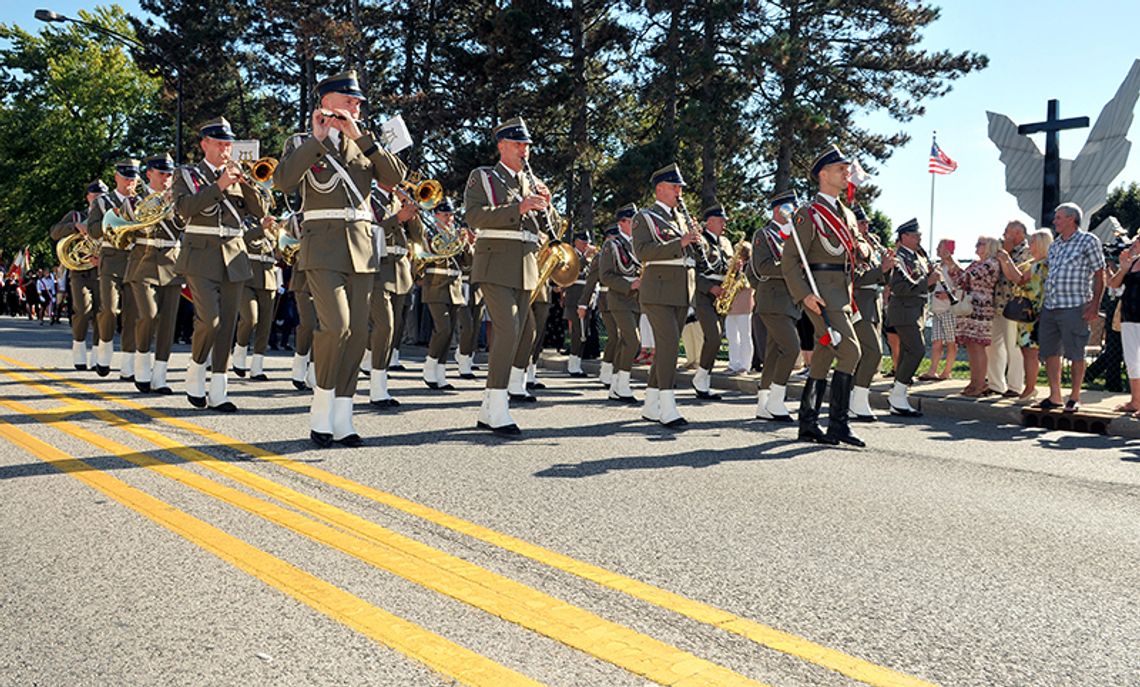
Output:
(859, 177)
(940, 162)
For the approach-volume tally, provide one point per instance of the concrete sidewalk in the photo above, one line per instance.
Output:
(936, 398)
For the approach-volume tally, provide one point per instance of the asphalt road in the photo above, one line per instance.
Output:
(143, 542)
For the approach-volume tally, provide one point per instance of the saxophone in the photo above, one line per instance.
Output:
(733, 282)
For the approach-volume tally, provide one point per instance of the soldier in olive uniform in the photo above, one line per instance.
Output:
(503, 207)
(591, 298)
(334, 169)
(215, 201)
(870, 276)
(619, 273)
(911, 280)
(571, 296)
(256, 307)
(664, 243)
(397, 221)
(470, 316)
(442, 291)
(115, 299)
(302, 372)
(156, 286)
(819, 273)
(712, 265)
(83, 284)
(775, 307)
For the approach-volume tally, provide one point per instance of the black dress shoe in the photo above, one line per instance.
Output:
(905, 412)
(225, 407)
(321, 439)
(144, 387)
(81, 367)
(675, 423)
(385, 403)
(864, 418)
(467, 375)
(162, 390)
(102, 371)
(535, 385)
(506, 430)
(351, 441)
(300, 386)
(623, 399)
(707, 395)
(579, 375)
(259, 378)
(522, 398)
(128, 378)
(445, 387)
(779, 418)
(240, 372)
(431, 385)
(398, 367)
(196, 401)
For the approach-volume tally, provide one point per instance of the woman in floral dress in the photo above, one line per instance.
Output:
(973, 330)
(1029, 280)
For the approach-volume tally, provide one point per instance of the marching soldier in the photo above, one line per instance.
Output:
(155, 286)
(524, 370)
(593, 297)
(302, 373)
(620, 278)
(442, 291)
(775, 308)
(661, 241)
(114, 298)
(83, 284)
(571, 296)
(256, 306)
(334, 167)
(215, 201)
(819, 273)
(911, 281)
(399, 225)
(712, 265)
(470, 316)
(503, 205)
(870, 277)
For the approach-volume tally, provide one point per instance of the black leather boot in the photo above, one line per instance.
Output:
(810, 403)
(838, 427)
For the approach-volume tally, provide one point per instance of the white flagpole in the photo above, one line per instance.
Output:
(933, 141)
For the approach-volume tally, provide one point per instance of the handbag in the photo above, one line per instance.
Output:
(1019, 309)
(939, 306)
(962, 307)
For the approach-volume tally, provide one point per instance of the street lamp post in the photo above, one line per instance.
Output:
(49, 16)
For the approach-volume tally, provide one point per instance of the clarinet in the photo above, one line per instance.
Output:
(692, 228)
(544, 220)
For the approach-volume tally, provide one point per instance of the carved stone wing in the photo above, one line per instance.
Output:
(1104, 154)
(1023, 163)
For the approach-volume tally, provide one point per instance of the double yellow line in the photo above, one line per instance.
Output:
(446, 574)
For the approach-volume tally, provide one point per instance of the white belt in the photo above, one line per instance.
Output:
(347, 214)
(397, 250)
(512, 234)
(441, 270)
(675, 262)
(223, 232)
(603, 289)
(872, 287)
(713, 277)
(267, 259)
(157, 243)
(580, 282)
(104, 243)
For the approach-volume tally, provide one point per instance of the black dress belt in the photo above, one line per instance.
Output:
(827, 267)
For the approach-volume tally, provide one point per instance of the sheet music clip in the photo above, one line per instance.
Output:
(394, 135)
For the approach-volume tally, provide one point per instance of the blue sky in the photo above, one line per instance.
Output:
(1074, 51)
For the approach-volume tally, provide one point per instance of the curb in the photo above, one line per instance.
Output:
(993, 412)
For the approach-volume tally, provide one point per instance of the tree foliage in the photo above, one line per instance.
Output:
(73, 102)
(741, 93)
(1123, 204)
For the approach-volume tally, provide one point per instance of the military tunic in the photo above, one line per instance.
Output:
(774, 304)
(712, 265)
(393, 282)
(156, 287)
(905, 310)
(82, 284)
(115, 298)
(869, 282)
(667, 285)
(618, 269)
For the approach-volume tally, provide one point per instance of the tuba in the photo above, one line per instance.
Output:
(155, 208)
(77, 252)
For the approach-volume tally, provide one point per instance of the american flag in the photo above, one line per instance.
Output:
(940, 162)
